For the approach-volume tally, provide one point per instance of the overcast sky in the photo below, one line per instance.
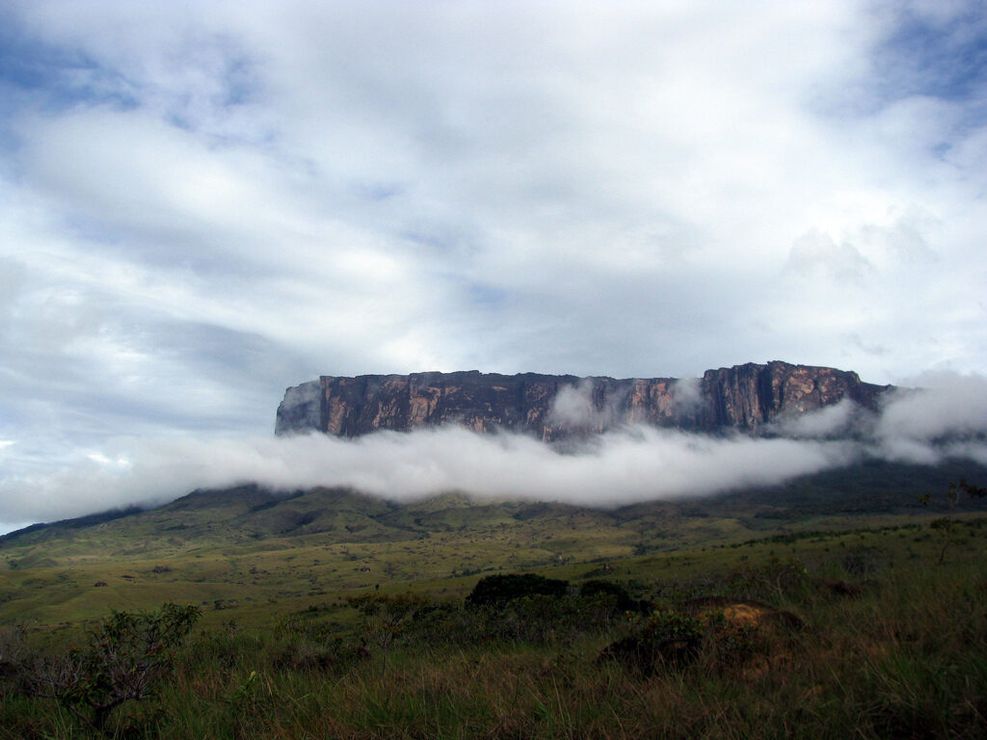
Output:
(202, 203)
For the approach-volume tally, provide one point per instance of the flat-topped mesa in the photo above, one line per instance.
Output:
(745, 398)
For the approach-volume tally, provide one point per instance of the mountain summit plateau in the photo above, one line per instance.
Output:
(747, 398)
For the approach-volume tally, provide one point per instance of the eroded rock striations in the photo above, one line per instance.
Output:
(746, 398)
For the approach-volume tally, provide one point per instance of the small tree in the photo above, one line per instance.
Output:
(947, 524)
(386, 617)
(125, 658)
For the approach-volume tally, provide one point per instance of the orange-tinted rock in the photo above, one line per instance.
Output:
(745, 398)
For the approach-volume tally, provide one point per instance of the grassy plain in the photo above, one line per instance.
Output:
(889, 643)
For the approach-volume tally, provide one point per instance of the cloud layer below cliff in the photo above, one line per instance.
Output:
(948, 419)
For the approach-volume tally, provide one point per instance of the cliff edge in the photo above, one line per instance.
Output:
(746, 398)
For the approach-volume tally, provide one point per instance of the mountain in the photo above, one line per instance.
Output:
(746, 398)
(251, 517)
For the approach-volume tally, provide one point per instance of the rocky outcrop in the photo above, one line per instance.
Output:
(746, 398)
(750, 397)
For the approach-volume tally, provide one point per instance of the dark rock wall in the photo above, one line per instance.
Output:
(744, 398)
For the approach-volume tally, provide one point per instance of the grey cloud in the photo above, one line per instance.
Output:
(905, 238)
(815, 252)
(212, 208)
(857, 341)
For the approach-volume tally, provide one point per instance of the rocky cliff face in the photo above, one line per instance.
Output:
(746, 398)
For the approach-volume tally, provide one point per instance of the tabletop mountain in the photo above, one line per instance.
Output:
(746, 398)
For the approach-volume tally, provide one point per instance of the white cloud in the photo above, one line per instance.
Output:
(199, 210)
(686, 394)
(840, 419)
(815, 253)
(949, 408)
(575, 407)
(618, 467)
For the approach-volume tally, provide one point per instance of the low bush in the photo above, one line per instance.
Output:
(500, 589)
(125, 659)
(623, 600)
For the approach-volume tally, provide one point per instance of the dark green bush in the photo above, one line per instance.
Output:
(623, 600)
(501, 589)
(667, 640)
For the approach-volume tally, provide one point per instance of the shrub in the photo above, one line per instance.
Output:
(125, 658)
(667, 640)
(722, 632)
(501, 589)
(624, 602)
(945, 525)
(385, 618)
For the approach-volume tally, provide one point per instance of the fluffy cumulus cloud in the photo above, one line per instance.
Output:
(202, 205)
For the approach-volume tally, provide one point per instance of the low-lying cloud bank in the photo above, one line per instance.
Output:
(947, 419)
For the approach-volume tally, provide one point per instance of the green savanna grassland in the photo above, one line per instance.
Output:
(834, 606)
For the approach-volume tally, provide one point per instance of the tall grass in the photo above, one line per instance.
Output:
(904, 657)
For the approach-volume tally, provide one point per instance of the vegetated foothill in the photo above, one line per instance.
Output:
(852, 628)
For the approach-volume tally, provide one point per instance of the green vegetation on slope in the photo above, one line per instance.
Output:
(249, 549)
(326, 613)
(825, 634)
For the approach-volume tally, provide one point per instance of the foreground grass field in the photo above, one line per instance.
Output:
(859, 633)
